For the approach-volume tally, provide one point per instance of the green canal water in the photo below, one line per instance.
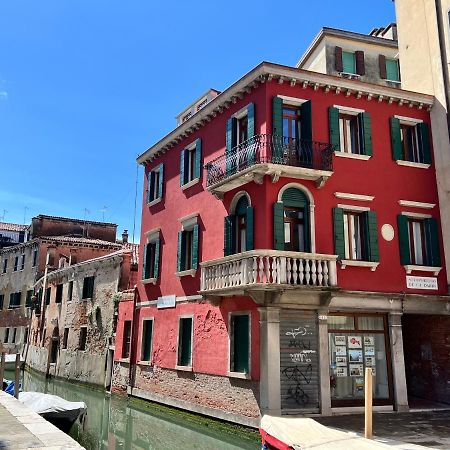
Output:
(116, 422)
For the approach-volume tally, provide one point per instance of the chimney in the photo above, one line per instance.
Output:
(125, 237)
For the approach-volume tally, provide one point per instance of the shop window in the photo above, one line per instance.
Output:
(147, 337)
(185, 342)
(239, 228)
(126, 340)
(240, 343)
(88, 287)
(59, 293)
(83, 339)
(155, 182)
(352, 350)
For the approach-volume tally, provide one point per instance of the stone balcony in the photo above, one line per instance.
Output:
(267, 270)
(266, 154)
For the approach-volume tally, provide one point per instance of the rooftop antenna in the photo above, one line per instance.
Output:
(4, 214)
(105, 208)
(86, 212)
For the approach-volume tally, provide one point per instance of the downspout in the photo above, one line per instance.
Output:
(133, 344)
(444, 62)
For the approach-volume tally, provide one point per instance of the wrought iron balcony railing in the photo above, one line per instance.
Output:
(270, 149)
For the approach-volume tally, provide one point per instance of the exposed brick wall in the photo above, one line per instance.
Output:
(427, 356)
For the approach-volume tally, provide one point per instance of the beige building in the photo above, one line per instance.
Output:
(424, 49)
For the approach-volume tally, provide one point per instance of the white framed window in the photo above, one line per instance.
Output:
(147, 339)
(185, 338)
(188, 245)
(239, 326)
(354, 232)
(155, 180)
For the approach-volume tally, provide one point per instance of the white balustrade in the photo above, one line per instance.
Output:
(269, 267)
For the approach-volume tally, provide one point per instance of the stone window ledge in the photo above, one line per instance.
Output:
(190, 183)
(124, 360)
(412, 164)
(154, 202)
(149, 281)
(185, 273)
(354, 263)
(242, 376)
(184, 368)
(145, 363)
(410, 268)
(352, 155)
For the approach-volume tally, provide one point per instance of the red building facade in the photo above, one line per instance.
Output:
(290, 227)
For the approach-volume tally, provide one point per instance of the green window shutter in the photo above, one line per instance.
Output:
(228, 235)
(382, 66)
(338, 59)
(161, 180)
(424, 139)
(156, 266)
(277, 116)
(185, 337)
(241, 343)
(198, 158)
(250, 120)
(150, 187)
(366, 133)
(182, 168)
(195, 246)
(147, 340)
(306, 120)
(403, 239)
(144, 259)
(349, 62)
(373, 252)
(396, 139)
(148, 267)
(432, 242)
(360, 63)
(338, 226)
(278, 226)
(249, 244)
(231, 134)
(392, 70)
(180, 252)
(333, 123)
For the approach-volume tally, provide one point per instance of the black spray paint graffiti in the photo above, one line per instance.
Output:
(299, 377)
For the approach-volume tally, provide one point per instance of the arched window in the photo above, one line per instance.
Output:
(239, 228)
(292, 222)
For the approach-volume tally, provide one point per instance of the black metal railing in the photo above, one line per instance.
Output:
(273, 149)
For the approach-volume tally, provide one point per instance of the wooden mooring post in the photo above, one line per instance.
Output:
(368, 404)
(2, 367)
(17, 376)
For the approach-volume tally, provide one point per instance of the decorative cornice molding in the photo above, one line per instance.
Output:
(414, 204)
(358, 197)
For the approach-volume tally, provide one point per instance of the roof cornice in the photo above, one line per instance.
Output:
(266, 72)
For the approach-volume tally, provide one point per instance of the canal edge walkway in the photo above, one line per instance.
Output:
(21, 428)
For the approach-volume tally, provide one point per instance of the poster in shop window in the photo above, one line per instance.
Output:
(341, 361)
(341, 372)
(369, 341)
(340, 340)
(354, 342)
(356, 370)
(341, 351)
(369, 361)
(369, 351)
(355, 356)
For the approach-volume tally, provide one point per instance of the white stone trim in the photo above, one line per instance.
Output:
(188, 298)
(148, 281)
(241, 113)
(355, 263)
(191, 146)
(358, 197)
(416, 215)
(242, 376)
(353, 207)
(236, 199)
(185, 273)
(408, 120)
(349, 110)
(414, 204)
(187, 222)
(352, 155)
(416, 165)
(292, 100)
(190, 183)
(411, 267)
(154, 202)
(152, 235)
(184, 368)
(312, 220)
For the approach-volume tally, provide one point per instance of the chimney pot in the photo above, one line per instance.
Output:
(125, 237)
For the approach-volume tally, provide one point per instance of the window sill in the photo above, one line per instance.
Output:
(191, 183)
(398, 82)
(149, 281)
(154, 202)
(354, 263)
(352, 155)
(144, 363)
(413, 164)
(240, 375)
(184, 368)
(410, 268)
(124, 360)
(185, 273)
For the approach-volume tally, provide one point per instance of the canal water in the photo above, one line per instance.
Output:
(116, 422)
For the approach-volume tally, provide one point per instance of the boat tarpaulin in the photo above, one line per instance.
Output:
(47, 403)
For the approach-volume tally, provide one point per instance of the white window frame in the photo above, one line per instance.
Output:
(230, 373)
(156, 200)
(177, 366)
(187, 224)
(191, 149)
(141, 360)
(152, 236)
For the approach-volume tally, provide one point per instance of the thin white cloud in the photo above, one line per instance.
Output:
(3, 95)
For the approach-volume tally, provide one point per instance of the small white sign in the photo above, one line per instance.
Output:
(427, 283)
(166, 301)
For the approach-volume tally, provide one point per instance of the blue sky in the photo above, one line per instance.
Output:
(87, 85)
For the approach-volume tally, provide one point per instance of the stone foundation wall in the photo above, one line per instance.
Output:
(121, 377)
(232, 395)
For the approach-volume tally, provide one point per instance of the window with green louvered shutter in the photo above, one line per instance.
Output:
(147, 336)
(228, 235)
(278, 226)
(231, 139)
(373, 252)
(240, 343)
(424, 139)
(306, 121)
(277, 129)
(249, 244)
(339, 238)
(396, 139)
(156, 263)
(198, 159)
(433, 254)
(250, 120)
(366, 133)
(195, 247)
(403, 239)
(183, 169)
(180, 252)
(161, 181)
(349, 62)
(185, 342)
(333, 122)
(150, 187)
(144, 259)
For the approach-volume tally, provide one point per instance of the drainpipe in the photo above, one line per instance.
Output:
(133, 342)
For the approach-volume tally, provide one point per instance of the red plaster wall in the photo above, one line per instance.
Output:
(125, 313)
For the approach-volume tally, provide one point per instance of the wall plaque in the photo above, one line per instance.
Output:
(426, 283)
(166, 301)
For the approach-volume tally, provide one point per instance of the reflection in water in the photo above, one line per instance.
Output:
(115, 423)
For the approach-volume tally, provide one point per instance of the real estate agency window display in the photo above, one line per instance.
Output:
(356, 342)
